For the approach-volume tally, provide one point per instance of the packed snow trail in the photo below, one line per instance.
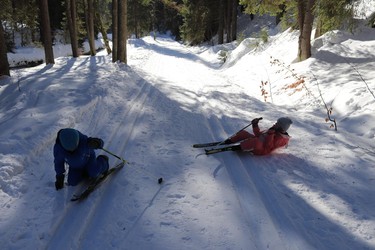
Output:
(316, 194)
(277, 218)
(149, 130)
(124, 120)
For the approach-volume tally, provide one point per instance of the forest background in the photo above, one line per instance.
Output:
(47, 22)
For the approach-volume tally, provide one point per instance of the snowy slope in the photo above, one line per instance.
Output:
(315, 194)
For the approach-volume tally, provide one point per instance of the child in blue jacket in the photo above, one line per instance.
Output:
(77, 150)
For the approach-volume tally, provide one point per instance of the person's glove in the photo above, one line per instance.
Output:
(256, 121)
(59, 183)
(95, 143)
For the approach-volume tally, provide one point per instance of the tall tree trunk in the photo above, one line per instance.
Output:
(46, 32)
(305, 20)
(4, 64)
(135, 20)
(122, 31)
(229, 20)
(71, 13)
(318, 30)
(90, 26)
(221, 22)
(14, 24)
(234, 20)
(114, 30)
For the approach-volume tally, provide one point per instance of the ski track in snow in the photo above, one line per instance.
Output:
(268, 206)
(118, 139)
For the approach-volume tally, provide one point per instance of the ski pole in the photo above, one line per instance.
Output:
(160, 180)
(260, 118)
(118, 157)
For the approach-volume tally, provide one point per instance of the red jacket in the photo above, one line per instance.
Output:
(261, 142)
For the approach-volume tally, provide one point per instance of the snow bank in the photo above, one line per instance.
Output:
(32, 56)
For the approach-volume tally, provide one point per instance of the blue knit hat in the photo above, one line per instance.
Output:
(283, 123)
(69, 139)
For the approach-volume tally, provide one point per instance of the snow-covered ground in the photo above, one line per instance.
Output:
(316, 194)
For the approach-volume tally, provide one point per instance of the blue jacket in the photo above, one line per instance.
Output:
(79, 159)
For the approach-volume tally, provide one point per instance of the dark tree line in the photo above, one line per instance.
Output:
(205, 19)
(193, 21)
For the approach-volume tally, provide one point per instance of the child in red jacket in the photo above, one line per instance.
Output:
(261, 142)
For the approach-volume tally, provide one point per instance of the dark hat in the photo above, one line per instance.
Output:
(69, 139)
(284, 123)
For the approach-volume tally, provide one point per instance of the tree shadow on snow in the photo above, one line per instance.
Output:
(306, 203)
(157, 131)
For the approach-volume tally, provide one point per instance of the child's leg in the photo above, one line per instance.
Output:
(75, 176)
(240, 136)
(97, 165)
(249, 144)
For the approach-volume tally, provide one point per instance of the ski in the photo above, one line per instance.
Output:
(213, 144)
(92, 186)
(218, 150)
(210, 144)
(213, 151)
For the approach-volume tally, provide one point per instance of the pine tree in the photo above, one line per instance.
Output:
(330, 14)
(71, 15)
(231, 20)
(4, 15)
(115, 14)
(141, 16)
(305, 21)
(119, 31)
(103, 21)
(220, 31)
(21, 17)
(195, 21)
(122, 31)
(46, 32)
(334, 14)
(371, 20)
(4, 64)
(168, 16)
(90, 14)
